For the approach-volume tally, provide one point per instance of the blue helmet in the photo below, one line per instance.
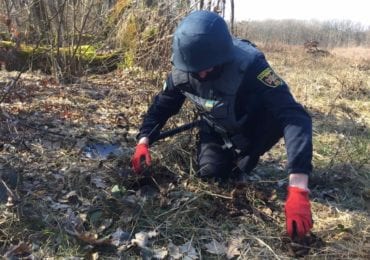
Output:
(201, 41)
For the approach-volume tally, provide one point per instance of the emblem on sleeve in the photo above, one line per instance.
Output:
(270, 78)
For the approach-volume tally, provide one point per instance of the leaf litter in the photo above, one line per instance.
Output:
(71, 146)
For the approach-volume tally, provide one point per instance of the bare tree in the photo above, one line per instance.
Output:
(232, 16)
(201, 4)
(209, 5)
(295, 32)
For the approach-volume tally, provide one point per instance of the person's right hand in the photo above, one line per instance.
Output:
(141, 152)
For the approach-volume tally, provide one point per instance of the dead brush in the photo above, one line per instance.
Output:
(275, 47)
(351, 85)
(249, 205)
(362, 65)
(336, 95)
(146, 35)
(71, 206)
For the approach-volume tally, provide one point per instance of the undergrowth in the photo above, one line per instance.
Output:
(67, 204)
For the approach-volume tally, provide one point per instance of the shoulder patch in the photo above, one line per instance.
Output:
(270, 78)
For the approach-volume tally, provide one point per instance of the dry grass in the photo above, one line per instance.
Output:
(69, 204)
(354, 53)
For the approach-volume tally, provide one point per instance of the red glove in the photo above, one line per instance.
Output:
(298, 212)
(142, 150)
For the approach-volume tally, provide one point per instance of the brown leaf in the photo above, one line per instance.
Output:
(188, 251)
(92, 256)
(106, 224)
(174, 251)
(20, 250)
(233, 247)
(92, 239)
(141, 238)
(215, 247)
(99, 182)
(120, 237)
(153, 233)
(159, 253)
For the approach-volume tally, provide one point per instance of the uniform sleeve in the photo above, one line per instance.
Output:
(295, 122)
(165, 104)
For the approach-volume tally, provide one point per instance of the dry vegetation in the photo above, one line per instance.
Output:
(59, 199)
(67, 204)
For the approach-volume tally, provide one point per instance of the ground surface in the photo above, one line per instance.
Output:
(59, 199)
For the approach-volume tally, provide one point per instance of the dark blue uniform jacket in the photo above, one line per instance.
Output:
(261, 102)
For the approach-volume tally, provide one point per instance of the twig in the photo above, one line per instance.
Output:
(11, 86)
(217, 195)
(14, 196)
(176, 208)
(266, 245)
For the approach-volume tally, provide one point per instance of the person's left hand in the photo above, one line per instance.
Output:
(298, 212)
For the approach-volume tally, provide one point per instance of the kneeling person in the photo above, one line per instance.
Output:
(244, 106)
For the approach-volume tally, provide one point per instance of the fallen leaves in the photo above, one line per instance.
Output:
(174, 251)
(94, 203)
(90, 238)
(120, 237)
(19, 251)
(188, 251)
(229, 249)
(215, 247)
(233, 247)
(141, 239)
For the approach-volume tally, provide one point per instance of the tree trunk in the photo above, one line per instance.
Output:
(41, 19)
(232, 16)
(201, 4)
(209, 5)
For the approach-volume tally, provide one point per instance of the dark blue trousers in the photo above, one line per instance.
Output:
(216, 161)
